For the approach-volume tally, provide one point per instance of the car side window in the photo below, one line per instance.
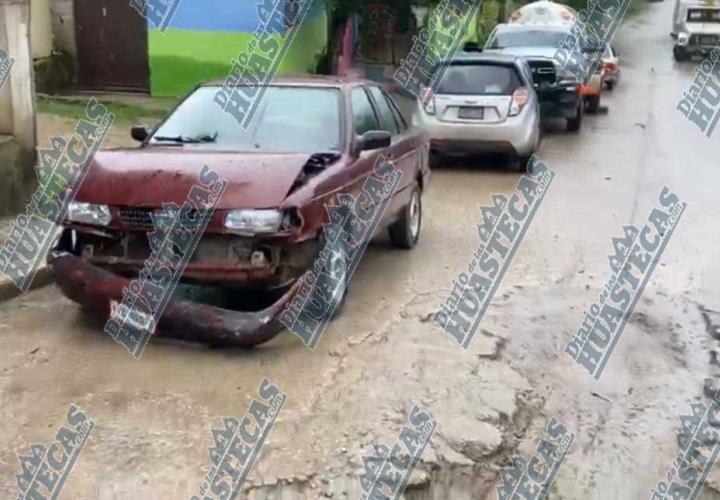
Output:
(363, 112)
(387, 119)
(402, 125)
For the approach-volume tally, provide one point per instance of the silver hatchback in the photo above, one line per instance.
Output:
(483, 103)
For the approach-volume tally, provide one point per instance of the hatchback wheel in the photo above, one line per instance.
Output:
(405, 232)
(436, 159)
(520, 163)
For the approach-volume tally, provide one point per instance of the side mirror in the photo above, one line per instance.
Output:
(139, 133)
(674, 36)
(374, 139)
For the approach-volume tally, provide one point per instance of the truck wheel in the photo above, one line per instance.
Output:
(574, 124)
(680, 54)
(593, 103)
(405, 232)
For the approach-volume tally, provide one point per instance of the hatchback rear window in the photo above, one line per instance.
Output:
(479, 79)
(703, 16)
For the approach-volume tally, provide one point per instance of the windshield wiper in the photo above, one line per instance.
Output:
(187, 140)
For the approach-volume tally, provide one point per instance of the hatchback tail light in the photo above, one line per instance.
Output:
(515, 15)
(427, 99)
(566, 15)
(520, 98)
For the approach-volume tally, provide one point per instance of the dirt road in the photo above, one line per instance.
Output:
(154, 416)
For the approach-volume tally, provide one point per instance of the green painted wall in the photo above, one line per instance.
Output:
(180, 59)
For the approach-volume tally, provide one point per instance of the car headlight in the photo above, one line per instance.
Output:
(683, 39)
(254, 221)
(89, 213)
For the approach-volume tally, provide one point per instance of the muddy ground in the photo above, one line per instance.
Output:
(153, 416)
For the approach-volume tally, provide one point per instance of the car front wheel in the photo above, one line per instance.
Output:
(405, 232)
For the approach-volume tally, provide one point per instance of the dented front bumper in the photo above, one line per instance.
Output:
(96, 289)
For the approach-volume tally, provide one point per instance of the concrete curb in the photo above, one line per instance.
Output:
(9, 291)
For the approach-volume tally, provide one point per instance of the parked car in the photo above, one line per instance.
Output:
(311, 140)
(696, 28)
(558, 90)
(611, 64)
(540, 41)
(483, 103)
(543, 11)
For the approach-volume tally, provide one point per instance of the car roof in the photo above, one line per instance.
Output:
(329, 81)
(480, 57)
(551, 26)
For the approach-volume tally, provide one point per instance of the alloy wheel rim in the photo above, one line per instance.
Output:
(415, 215)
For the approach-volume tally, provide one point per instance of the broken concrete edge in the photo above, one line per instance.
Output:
(9, 291)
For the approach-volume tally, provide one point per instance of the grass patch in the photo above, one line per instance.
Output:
(123, 112)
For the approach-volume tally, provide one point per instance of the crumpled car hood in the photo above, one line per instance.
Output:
(153, 176)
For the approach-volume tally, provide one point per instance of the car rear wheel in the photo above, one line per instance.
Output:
(593, 103)
(610, 85)
(520, 163)
(680, 54)
(574, 124)
(405, 232)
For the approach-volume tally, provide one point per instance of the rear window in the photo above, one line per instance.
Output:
(703, 16)
(479, 79)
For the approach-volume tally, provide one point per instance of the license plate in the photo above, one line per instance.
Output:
(471, 113)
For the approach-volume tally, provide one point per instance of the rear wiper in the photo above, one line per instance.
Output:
(187, 140)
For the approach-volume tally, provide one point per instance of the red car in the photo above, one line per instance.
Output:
(311, 139)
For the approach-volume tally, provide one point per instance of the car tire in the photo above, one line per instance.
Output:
(680, 54)
(339, 258)
(405, 232)
(610, 85)
(574, 124)
(435, 160)
(520, 163)
(593, 103)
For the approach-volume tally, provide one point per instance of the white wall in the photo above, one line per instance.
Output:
(17, 103)
(63, 25)
(40, 28)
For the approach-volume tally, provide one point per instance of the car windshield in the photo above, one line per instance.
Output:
(703, 16)
(479, 79)
(288, 119)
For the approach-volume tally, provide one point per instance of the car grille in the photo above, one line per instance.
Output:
(542, 71)
(140, 218)
(703, 39)
(136, 217)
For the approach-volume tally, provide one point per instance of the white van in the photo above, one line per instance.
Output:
(696, 28)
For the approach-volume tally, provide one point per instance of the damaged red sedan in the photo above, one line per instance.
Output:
(310, 140)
